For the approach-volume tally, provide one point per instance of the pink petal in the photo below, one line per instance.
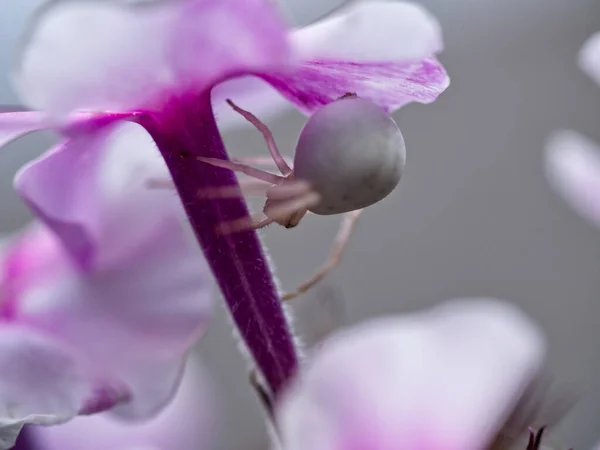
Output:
(17, 124)
(40, 382)
(383, 51)
(573, 167)
(186, 424)
(134, 321)
(108, 56)
(445, 379)
(92, 188)
(391, 84)
(122, 281)
(377, 31)
(589, 57)
(349, 52)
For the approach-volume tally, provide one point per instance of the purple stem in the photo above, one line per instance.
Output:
(24, 441)
(186, 128)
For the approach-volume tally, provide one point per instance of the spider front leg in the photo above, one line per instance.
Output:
(260, 160)
(335, 256)
(245, 187)
(243, 168)
(279, 160)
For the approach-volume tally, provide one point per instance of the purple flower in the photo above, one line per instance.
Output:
(88, 65)
(572, 160)
(187, 423)
(443, 379)
(107, 324)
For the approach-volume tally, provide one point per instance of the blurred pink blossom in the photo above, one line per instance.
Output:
(443, 379)
(187, 423)
(113, 331)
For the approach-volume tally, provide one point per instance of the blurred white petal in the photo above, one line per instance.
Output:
(40, 382)
(372, 31)
(441, 379)
(573, 167)
(187, 423)
(99, 55)
(589, 57)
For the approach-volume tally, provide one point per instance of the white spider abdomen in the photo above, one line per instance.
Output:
(352, 153)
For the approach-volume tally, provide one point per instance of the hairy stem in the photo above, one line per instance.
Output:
(184, 130)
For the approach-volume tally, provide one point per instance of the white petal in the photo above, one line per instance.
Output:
(186, 423)
(17, 124)
(86, 55)
(99, 55)
(107, 210)
(442, 379)
(39, 383)
(138, 301)
(395, 33)
(589, 57)
(135, 321)
(573, 167)
(372, 31)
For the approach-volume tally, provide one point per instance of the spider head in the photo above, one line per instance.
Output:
(287, 212)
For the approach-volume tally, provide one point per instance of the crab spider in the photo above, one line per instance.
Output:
(350, 154)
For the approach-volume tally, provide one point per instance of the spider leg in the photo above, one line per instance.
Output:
(253, 222)
(335, 256)
(285, 190)
(289, 190)
(243, 168)
(276, 213)
(160, 183)
(245, 187)
(280, 162)
(259, 160)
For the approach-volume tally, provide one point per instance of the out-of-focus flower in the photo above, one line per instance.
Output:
(448, 378)
(573, 166)
(572, 160)
(106, 324)
(90, 64)
(589, 57)
(187, 423)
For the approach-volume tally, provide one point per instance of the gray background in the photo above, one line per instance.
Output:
(474, 215)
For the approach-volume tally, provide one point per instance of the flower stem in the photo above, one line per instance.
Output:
(183, 130)
(24, 440)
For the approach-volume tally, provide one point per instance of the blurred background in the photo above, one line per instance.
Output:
(474, 215)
